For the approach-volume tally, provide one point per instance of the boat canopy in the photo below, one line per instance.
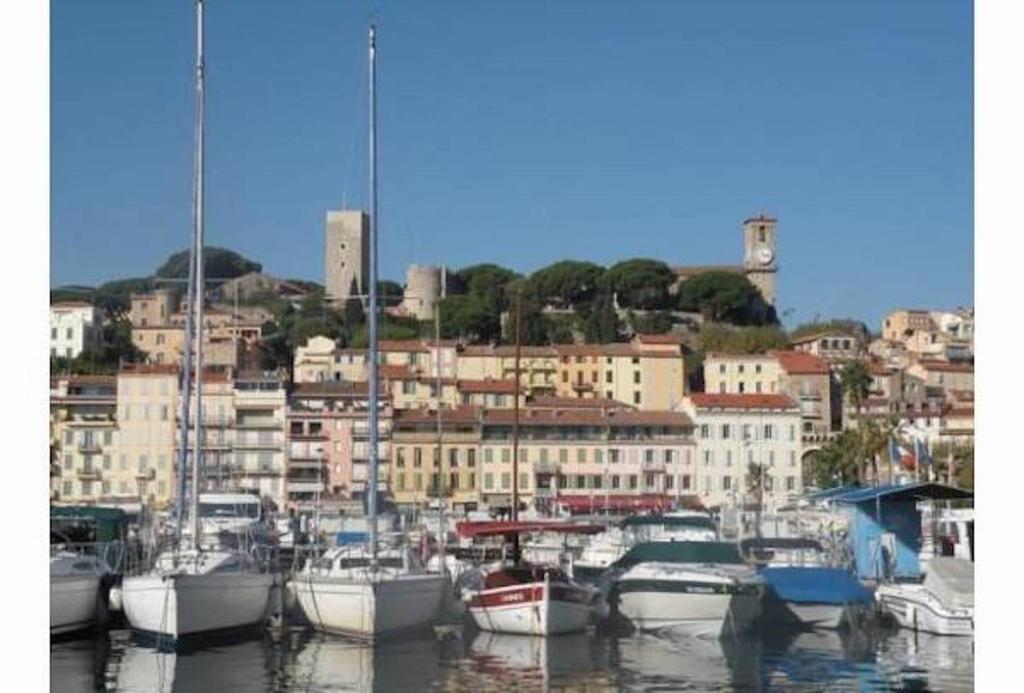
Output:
(697, 521)
(491, 528)
(99, 523)
(904, 492)
(680, 552)
(816, 585)
(779, 543)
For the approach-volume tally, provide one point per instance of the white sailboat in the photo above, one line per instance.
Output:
(197, 590)
(366, 592)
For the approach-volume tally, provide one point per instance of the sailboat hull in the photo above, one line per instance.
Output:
(176, 606)
(368, 608)
(532, 609)
(73, 603)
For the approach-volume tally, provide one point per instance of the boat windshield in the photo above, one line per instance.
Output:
(230, 510)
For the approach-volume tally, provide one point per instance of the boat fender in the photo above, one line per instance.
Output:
(116, 602)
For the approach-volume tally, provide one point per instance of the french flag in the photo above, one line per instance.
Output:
(898, 453)
(921, 451)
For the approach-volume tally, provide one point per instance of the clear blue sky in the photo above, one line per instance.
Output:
(524, 133)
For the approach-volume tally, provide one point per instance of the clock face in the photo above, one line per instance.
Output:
(764, 255)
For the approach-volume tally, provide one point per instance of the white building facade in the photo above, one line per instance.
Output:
(74, 327)
(736, 433)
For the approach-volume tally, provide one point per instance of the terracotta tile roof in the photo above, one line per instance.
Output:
(103, 380)
(487, 386)
(71, 304)
(723, 355)
(814, 336)
(586, 417)
(801, 363)
(403, 345)
(464, 414)
(552, 402)
(709, 400)
(390, 371)
(945, 366)
(332, 389)
(149, 369)
(508, 351)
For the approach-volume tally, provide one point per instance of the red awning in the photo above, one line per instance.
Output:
(490, 528)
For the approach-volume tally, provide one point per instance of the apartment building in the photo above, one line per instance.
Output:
(538, 366)
(943, 375)
(565, 456)
(147, 408)
(808, 379)
(737, 433)
(831, 345)
(259, 408)
(83, 431)
(741, 374)
(74, 327)
(328, 443)
(941, 335)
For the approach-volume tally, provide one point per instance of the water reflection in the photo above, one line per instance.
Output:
(472, 661)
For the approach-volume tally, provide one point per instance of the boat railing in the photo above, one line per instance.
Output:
(122, 556)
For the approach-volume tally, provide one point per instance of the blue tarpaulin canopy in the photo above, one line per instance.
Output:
(815, 585)
(906, 492)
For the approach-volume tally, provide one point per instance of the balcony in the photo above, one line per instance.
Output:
(89, 447)
(88, 473)
(271, 442)
(305, 486)
(145, 474)
(319, 435)
(304, 464)
(259, 424)
(261, 470)
(545, 467)
(306, 451)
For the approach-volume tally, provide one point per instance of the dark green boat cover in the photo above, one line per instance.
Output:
(680, 552)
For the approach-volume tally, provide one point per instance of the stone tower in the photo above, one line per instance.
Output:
(422, 291)
(346, 254)
(759, 254)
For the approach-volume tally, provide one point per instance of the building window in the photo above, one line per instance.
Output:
(725, 431)
(721, 368)
(543, 455)
(53, 333)
(741, 387)
(565, 376)
(649, 456)
(400, 481)
(488, 481)
(705, 431)
(757, 368)
(67, 489)
(792, 432)
(524, 454)
(581, 481)
(453, 457)
(686, 482)
(599, 456)
(506, 480)
(436, 457)
(453, 480)
(613, 455)
(767, 431)
(757, 387)
(471, 457)
(69, 437)
(721, 387)
(86, 488)
(746, 431)
(417, 457)
(739, 368)
(608, 376)
(728, 458)
(790, 483)
(669, 482)
(632, 482)
(524, 480)
(418, 480)
(506, 455)
(615, 481)
(68, 333)
(669, 455)
(726, 483)
(581, 455)
(707, 457)
(106, 461)
(69, 462)
(563, 455)
(488, 455)
(636, 397)
(399, 457)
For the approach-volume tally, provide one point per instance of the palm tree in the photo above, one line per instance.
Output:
(855, 382)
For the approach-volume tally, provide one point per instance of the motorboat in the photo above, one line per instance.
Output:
(346, 591)
(606, 548)
(698, 587)
(76, 591)
(229, 517)
(942, 604)
(801, 589)
(197, 592)
(525, 599)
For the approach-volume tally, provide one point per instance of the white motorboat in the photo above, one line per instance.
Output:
(696, 587)
(193, 593)
(76, 598)
(604, 549)
(943, 604)
(346, 592)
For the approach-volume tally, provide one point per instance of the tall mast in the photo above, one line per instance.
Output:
(371, 485)
(440, 434)
(515, 428)
(197, 288)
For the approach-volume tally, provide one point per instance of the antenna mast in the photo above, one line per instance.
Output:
(371, 482)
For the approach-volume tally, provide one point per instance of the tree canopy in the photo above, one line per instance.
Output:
(725, 297)
(219, 263)
(568, 282)
(640, 283)
(469, 317)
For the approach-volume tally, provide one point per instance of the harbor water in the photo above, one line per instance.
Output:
(296, 659)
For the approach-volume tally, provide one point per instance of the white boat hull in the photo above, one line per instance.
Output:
(693, 613)
(532, 609)
(830, 616)
(183, 604)
(73, 603)
(370, 608)
(914, 609)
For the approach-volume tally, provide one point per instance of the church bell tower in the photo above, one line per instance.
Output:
(759, 254)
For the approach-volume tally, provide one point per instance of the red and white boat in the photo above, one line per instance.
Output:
(530, 599)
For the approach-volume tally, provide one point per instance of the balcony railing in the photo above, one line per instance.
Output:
(259, 424)
(145, 474)
(88, 473)
(91, 446)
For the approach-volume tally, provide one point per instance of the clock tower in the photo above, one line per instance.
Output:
(759, 254)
